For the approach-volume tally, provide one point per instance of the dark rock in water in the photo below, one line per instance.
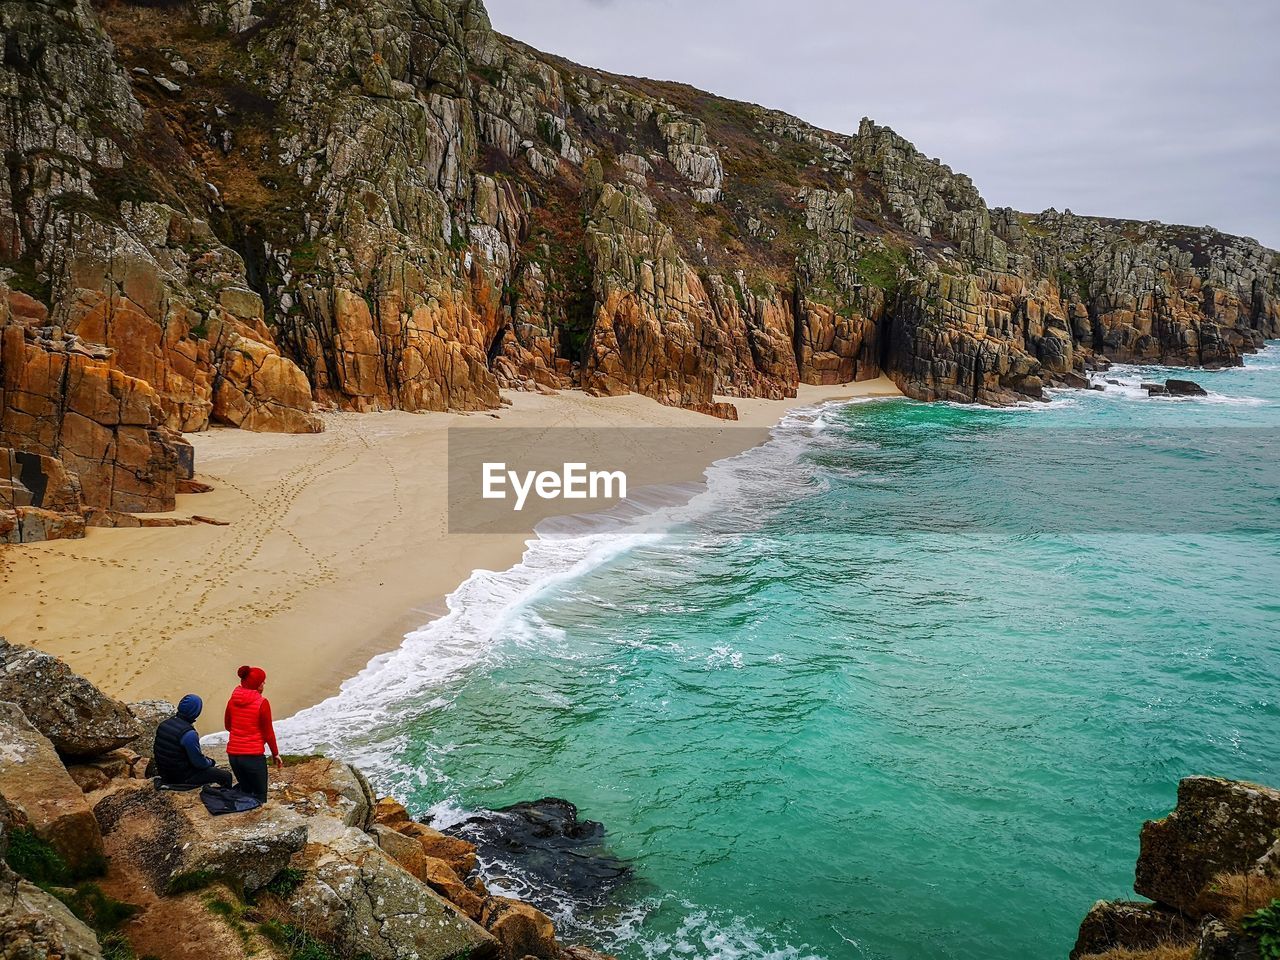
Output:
(545, 845)
(1114, 383)
(1096, 386)
(1185, 388)
(1156, 389)
(1070, 378)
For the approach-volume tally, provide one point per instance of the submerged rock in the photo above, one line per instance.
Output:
(557, 854)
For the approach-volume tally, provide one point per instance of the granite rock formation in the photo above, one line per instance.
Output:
(1208, 866)
(323, 869)
(225, 213)
(35, 924)
(39, 795)
(77, 718)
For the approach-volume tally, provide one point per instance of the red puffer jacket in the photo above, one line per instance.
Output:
(248, 720)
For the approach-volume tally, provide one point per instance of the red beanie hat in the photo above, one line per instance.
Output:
(252, 677)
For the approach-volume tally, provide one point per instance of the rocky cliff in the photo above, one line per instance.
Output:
(97, 863)
(1211, 869)
(230, 212)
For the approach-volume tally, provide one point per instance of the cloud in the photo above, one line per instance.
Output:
(1154, 109)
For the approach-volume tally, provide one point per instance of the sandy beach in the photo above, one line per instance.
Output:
(335, 546)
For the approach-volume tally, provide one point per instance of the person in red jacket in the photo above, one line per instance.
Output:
(248, 720)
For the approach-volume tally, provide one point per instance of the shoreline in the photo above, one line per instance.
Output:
(337, 546)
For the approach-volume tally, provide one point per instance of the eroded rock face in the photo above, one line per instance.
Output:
(96, 773)
(37, 794)
(141, 277)
(173, 839)
(652, 314)
(388, 205)
(78, 718)
(1218, 826)
(40, 499)
(1130, 925)
(365, 904)
(326, 787)
(521, 930)
(102, 425)
(35, 925)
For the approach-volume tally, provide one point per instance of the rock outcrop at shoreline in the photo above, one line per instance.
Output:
(217, 214)
(101, 864)
(1211, 869)
(558, 856)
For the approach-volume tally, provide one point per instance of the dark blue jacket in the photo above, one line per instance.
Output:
(177, 747)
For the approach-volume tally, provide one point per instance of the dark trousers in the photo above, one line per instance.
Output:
(251, 774)
(212, 775)
(198, 778)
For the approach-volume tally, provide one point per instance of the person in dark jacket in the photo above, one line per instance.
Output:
(179, 759)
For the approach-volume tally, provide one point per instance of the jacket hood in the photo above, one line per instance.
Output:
(243, 695)
(189, 707)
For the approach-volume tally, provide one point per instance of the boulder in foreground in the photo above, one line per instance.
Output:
(364, 904)
(174, 841)
(37, 794)
(1218, 827)
(522, 930)
(1130, 925)
(35, 925)
(76, 716)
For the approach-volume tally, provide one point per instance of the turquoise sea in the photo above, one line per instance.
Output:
(903, 683)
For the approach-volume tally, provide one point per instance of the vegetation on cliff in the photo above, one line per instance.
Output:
(231, 212)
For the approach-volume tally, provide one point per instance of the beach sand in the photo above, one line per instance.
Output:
(336, 546)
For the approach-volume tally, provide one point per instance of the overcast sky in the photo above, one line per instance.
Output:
(1150, 109)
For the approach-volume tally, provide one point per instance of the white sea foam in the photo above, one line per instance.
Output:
(699, 934)
(1124, 382)
(488, 607)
